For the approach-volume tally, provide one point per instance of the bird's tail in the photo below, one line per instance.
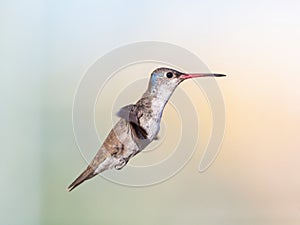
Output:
(85, 175)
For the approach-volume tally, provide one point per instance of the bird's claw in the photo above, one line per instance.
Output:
(121, 164)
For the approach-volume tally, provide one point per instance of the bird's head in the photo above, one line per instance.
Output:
(163, 81)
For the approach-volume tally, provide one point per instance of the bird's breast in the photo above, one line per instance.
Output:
(151, 126)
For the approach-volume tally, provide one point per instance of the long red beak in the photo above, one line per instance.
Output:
(194, 75)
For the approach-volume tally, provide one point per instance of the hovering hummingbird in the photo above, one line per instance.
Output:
(139, 124)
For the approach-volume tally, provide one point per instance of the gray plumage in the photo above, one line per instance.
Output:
(138, 126)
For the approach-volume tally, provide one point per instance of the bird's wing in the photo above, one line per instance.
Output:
(131, 114)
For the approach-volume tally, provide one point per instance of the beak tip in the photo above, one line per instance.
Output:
(219, 75)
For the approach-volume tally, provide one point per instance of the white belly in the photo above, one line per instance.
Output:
(152, 127)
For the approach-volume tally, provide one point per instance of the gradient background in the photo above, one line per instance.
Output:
(45, 48)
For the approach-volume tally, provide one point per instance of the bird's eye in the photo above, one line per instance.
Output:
(169, 75)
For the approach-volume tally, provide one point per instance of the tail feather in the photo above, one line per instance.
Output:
(98, 165)
(85, 175)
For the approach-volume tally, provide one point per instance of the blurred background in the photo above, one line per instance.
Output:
(47, 46)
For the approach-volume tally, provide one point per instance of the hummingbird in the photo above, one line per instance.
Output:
(138, 125)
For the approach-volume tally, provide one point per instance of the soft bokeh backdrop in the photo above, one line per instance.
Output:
(45, 48)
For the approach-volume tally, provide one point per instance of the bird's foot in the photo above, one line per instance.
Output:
(121, 164)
